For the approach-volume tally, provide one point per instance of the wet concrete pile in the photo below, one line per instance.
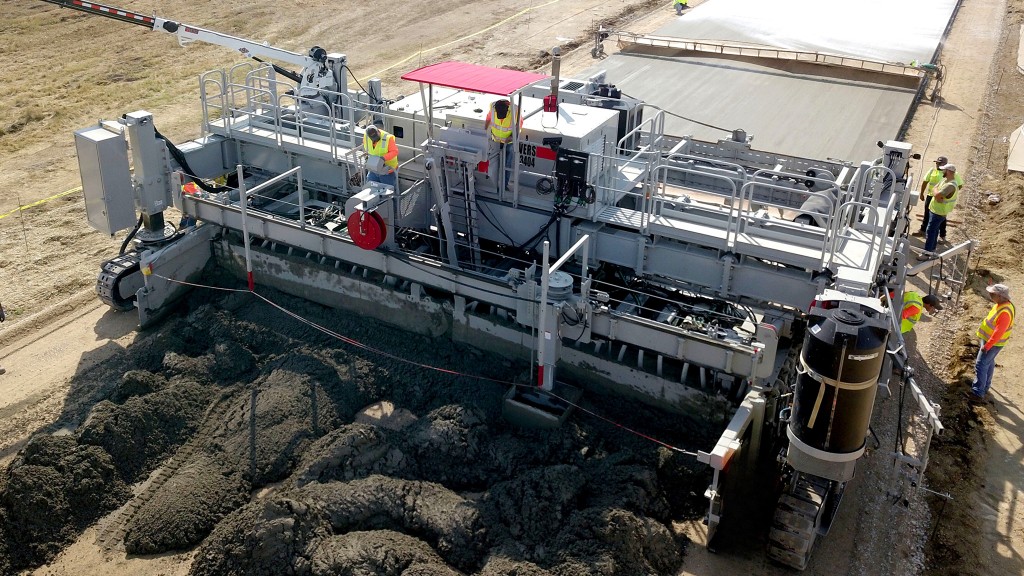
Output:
(247, 433)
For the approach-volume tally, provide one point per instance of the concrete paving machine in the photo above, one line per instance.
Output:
(701, 277)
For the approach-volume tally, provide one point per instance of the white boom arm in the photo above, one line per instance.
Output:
(188, 33)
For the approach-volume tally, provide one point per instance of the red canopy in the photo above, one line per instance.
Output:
(473, 77)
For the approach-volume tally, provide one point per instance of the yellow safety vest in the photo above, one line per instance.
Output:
(683, 2)
(911, 298)
(501, 128)
(944, 207)
(380, 148)
(934, 176)
(988, 325)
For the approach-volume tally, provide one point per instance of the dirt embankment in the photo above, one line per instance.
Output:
(246, 401)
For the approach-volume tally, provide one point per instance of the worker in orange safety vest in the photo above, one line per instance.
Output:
(382, 156)
(994, 332)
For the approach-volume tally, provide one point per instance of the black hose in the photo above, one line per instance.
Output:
(180, 159)
(124, 245)
(293, 76)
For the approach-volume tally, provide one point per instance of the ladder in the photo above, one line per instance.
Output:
(460, 205)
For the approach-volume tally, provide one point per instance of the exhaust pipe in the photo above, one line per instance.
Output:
(551, 100)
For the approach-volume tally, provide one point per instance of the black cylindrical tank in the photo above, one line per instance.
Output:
(840, 362)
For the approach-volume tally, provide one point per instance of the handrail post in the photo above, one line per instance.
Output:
(243, 199)
(302, 201)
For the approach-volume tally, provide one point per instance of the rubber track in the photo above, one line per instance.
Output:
(794, 527)
(111, 273)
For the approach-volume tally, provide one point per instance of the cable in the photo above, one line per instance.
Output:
(124, 245)
(361, 346)
(352, 74)
(681, 117)
(180, 159)
(626, 428)
(497, 227)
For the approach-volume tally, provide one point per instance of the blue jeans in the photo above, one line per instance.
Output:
(509, 150)
(389, 179)
(935, 224)
(927, 215)
(984, 366)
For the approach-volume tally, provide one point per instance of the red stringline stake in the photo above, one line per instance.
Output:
(252, 283)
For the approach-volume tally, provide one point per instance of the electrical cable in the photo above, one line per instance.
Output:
(681, 117)
(480, 207)
(357, 344)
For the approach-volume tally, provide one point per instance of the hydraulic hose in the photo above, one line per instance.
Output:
(124, 245)
(180, 159)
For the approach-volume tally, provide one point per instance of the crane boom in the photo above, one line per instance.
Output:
(188, 33)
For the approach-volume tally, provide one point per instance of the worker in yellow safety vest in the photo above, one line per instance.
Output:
(928, 184)
(994, 332)
(680, 6)
(914, 306)
(499, 126)
(381, 156)
(946, 193)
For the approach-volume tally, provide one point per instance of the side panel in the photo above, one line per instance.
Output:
(106, 179)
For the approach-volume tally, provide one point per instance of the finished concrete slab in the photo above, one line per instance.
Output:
(793, 108)
(881, 30)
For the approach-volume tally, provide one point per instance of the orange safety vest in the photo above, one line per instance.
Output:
(988, 325)
(382, 148)
(501, 128)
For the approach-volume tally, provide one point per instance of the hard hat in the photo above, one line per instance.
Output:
(950, 167)
(1001, 289)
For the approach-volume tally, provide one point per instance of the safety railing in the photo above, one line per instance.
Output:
(213, 98)
(649, 132)
(731, 200)
(795, 191)
(796, 233)
(850, 214)
(739, 172)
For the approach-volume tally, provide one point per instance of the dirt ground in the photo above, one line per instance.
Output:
(427, 480)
